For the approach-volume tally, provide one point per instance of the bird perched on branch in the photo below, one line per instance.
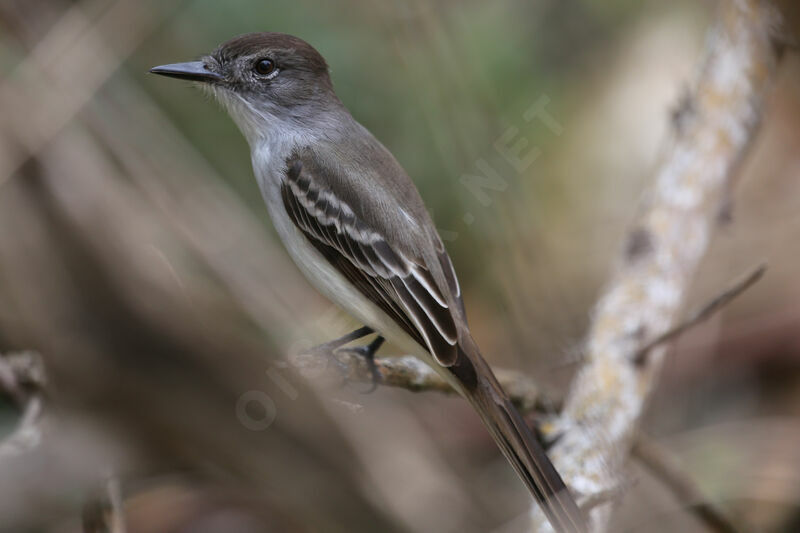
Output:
(356, 226)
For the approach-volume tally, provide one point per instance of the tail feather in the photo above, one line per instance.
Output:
(517, 443)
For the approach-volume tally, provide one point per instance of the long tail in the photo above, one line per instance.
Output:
(516, 441)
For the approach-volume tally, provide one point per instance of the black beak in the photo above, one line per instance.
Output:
(193, 70)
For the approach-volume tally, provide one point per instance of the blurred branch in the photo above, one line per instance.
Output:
(667, 469)
(105, 514)
(64, 70)
(21, 379)
(666, 243)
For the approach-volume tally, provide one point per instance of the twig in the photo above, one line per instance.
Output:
(408, 372)
(704, 313)
(667, 469)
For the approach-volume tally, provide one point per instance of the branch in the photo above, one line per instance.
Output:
(407, 372)
(668, 240)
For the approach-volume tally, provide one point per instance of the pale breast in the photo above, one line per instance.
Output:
(269, 168)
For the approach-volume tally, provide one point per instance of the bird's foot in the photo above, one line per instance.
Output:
(368, 353)
(328, 352)
(321, 360)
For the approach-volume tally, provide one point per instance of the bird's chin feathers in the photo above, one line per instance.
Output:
(254, 120)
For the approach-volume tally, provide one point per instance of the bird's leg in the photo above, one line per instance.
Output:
(368, 352)
(330, 347)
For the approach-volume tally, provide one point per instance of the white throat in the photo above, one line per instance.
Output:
(257, 123)
(271, 135)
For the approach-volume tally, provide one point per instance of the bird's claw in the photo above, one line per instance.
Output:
(368, 354)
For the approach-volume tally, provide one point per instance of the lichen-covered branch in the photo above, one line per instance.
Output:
(668, 240)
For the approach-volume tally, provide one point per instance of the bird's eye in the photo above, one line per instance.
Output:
(265, 67)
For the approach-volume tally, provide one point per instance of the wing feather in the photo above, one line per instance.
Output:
(402, 287)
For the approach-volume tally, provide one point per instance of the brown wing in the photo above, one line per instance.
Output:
(403, 288)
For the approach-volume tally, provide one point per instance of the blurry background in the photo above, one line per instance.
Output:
(136, 256)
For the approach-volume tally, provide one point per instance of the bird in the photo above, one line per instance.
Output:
(355, 224)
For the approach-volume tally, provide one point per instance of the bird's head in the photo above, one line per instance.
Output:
(261, 78)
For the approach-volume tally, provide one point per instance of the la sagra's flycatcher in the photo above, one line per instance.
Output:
(356, 226)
